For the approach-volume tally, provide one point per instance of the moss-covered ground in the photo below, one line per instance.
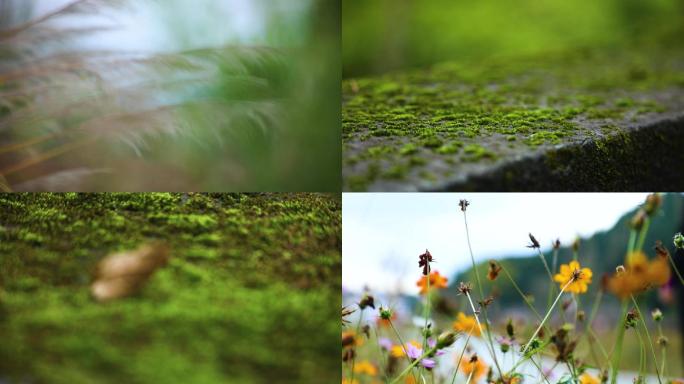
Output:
(424, 129)
(250, 295)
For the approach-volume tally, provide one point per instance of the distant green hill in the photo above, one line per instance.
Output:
(602, 252)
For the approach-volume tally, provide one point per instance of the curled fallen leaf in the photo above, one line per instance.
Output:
(122, 274)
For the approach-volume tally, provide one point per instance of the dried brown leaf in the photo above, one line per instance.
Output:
(122, 274)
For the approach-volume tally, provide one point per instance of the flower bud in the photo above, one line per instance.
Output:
(652, 204)
(679, 241)
(446, 339)
(631, 319)
(509, 328)
(576, 244)
(657, 314)
(505, 347)
(367, 301)
(427, 331)
(662, 341)
(385, 313)
(638, 219)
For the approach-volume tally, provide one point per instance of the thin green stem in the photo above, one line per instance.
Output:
(470, 333)
(426, 311)
(675, 268)
(548, 271)
(648, 336)
(642, 362)
(595, 337)
(554, 260)
(547, 316)
(481, 292)
(588, 328)
(540, 370)
(382, 355)
(523, 359)
(413, 364)
(403, 345)
(663, 348)
(632, 240)
(517, 288)
(642, 234)
(477, 319)
(617, 348)
(356, 334)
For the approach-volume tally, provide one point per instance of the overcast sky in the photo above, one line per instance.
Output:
(383, 234)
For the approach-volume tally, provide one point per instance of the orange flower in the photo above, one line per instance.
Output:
(436, 281)
(349, 381)
(580, 277)
(465, 323)
(659, 272)
(639, 274)
(349, 339)
(588, 379)
(365, 367)
(474, 365)
(398, 350)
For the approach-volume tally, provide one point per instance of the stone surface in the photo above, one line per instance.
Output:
(586, 121)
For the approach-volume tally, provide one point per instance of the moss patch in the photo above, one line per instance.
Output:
(250, 295)
(506, 108)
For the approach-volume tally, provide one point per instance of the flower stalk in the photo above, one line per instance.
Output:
(464, 204)
(548, 313)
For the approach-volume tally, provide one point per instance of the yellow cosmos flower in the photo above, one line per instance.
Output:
(580, 277)
(365, 367)
(349, 381)
(465, 323)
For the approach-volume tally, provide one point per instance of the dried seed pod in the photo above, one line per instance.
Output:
(122, 274)
(534, 243)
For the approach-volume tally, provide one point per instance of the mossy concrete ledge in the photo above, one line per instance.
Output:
(583, 122)
(643, 158)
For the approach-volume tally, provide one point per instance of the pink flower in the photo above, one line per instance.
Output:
(415, 353)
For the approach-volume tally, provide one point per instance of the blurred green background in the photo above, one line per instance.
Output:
(230, 95)
(385, 35)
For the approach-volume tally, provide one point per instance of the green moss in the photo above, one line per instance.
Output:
(474, 152)
(450, 148)
(408, 149)
(250, 280)
(396, 172)
(432, 142)
(539, 138)
(514, 103)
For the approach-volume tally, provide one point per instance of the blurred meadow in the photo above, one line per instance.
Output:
(523, 288)
(213, 95)
(383, 35)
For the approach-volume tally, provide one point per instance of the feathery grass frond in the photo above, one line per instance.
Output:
(56, 104)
